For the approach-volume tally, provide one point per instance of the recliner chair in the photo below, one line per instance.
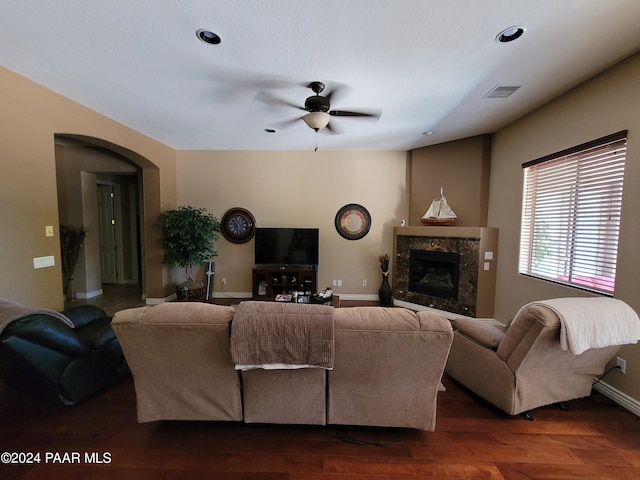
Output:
(41, 354)
(522, 366)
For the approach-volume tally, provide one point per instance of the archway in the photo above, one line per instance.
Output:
(122, 162)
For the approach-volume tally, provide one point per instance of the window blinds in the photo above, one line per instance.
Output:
(571, 210)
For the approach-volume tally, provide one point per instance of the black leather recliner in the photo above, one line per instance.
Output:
(44, 356)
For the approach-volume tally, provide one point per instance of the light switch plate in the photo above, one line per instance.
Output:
(48, 231)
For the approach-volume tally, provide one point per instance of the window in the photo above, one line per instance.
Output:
(571, 211)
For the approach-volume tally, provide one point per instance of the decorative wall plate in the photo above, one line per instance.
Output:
(353, 221)
(238, 225)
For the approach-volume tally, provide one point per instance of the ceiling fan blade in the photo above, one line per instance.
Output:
(345, 113)
(331, 128)
(286, 123)
(271, 100)
(337, 92)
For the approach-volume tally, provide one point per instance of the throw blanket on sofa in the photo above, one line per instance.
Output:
(10, 311)
(282, 335)
(587, 323)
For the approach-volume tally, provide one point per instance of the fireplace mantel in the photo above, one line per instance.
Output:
(478, 256)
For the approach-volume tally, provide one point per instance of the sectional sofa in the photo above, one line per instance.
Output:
(373, 366)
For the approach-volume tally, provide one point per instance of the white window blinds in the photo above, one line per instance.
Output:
(571, 211)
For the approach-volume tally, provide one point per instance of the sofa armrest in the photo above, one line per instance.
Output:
(488, 336)
(83, 315)
(49, 332)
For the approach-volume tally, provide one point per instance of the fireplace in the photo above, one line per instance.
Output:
(434, 273)
(451, 269)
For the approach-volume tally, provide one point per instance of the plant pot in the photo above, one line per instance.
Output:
(191, 291)
(71, 290)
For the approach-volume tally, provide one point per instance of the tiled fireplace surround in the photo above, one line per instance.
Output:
(477, 247)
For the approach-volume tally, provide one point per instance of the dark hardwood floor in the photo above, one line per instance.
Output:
(594, 439)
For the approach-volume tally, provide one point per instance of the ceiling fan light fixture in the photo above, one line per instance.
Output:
(317, 120)
(510, 34)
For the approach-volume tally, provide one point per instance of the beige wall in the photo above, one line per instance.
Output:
(30, 117)
(301, 189)
(461, 168)
(603, 105)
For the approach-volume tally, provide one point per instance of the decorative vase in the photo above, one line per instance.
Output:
(385, 293)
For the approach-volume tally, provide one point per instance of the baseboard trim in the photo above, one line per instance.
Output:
(231, 295)
(622, 399)
(158, 301)
(357, 296)
(85, 295)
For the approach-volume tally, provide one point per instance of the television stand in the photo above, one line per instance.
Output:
(271, 280)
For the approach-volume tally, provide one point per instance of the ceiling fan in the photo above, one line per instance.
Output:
(318, 108)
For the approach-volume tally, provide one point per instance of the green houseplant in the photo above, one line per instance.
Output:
(188, 238)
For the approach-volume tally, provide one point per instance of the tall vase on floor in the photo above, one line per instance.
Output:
(385, 293)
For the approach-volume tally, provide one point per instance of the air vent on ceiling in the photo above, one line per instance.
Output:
(501, 91)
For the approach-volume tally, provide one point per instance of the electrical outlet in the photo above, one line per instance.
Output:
(224, 281)
(621, 363)
(339, 283)
(364, 283)
(335, 283)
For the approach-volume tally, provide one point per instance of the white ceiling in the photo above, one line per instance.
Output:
(426, 64)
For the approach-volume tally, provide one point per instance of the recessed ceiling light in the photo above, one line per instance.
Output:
(510, 34)
(428, 132)
(208, 36)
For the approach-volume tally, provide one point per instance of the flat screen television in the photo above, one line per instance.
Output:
(286, 246)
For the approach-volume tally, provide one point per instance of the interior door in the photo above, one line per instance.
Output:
(108, 249)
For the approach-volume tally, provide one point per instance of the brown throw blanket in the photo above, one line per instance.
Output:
(282, 335)
(10, 311)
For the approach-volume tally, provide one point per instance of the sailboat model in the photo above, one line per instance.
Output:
(439, 212)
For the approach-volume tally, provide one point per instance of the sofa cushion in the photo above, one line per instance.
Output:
(375, 318)
(177, 313)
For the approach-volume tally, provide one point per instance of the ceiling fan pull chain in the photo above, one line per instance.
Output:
(316, 149)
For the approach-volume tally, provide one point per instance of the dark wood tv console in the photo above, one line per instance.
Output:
(271, 280)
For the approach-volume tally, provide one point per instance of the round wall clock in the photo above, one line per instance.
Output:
(353, 221)
(238, 225)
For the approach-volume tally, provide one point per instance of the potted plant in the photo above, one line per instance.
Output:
(71, 240)
(188, 238)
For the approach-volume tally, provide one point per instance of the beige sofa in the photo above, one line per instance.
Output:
(388, 363)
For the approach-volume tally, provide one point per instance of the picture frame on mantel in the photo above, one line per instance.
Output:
(353, 221)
